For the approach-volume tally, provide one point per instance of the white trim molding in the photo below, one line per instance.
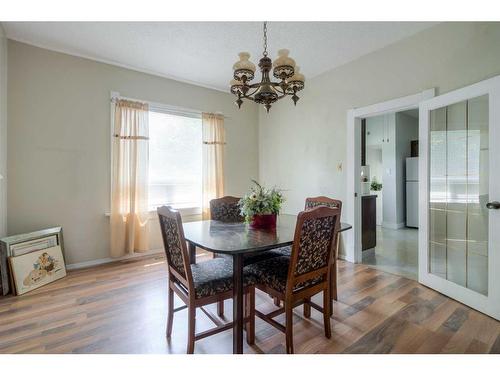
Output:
(353, 162)
(97, 262)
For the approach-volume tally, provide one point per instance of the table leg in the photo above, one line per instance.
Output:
(192, 253)
(237, 304)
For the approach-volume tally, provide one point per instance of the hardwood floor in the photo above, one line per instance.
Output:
(121, 308)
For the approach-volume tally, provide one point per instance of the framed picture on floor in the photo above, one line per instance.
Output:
(25, 243)
(38, 268)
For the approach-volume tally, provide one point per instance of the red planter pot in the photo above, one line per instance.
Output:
(264, 221)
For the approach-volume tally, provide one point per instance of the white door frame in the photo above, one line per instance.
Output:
(487, 304)
(352, 239)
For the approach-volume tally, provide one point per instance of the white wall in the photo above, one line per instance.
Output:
(390, 177)
(392, 135)
(59, 141)
(406, 131)
(3, 133)
(300, 147)
(374, 160)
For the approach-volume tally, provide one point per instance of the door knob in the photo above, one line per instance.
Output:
(493, 205)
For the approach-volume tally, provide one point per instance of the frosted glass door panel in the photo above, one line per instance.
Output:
(477, 194)
(458, 218)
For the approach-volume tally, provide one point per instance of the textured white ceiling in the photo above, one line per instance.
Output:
(203, 52)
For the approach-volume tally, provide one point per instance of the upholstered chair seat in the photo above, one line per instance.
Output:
(274, 273)
(215, 276)
(282, 251)
(269, 254)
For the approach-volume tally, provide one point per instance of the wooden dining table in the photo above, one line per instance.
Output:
(236, 240)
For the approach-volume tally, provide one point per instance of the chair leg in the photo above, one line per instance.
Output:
(307, 308)
(276, 301)
(333, 286)
(191, 329)
(220, 308)
(170, 311)
(326, 313)
(333, 280)
(250, 314)
(289, 328)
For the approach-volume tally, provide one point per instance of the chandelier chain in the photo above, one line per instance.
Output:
(265, 38)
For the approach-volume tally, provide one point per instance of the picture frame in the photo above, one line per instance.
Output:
(37, 268)
(22, 244)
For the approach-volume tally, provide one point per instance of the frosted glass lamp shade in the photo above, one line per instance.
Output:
(284, 65)
(235, 86)
(244, 69)
(296, 81)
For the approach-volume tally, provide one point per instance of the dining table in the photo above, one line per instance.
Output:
(236, 240)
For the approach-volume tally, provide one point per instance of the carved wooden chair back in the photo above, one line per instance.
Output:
(175, 246)
(226, 209)
(315, 233)
(323, 201)
(327, 202)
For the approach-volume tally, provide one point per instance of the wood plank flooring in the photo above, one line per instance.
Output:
(121, 308)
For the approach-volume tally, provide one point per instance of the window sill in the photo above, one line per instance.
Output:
(185, 211)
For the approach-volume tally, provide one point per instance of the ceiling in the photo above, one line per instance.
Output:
(203, 53)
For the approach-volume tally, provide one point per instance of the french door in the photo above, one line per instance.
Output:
(459, 192)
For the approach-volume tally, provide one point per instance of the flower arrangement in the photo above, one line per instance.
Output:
(261, 202)
(375, 185)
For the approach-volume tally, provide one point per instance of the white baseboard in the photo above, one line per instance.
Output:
(393, 225)
(97, 262)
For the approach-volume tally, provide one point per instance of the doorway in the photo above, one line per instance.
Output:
(353, 239)
(389, 192)
(459, 190)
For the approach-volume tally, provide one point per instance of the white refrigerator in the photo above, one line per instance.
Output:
(412, 192)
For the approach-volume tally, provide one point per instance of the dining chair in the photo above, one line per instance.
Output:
(333, 203)
(197, 285)
(295, 279)
(226, 209)
(286, 251)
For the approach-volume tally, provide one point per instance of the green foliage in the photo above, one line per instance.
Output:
(375, 185)
(261, 201)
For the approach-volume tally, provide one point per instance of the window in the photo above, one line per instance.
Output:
(175, 161)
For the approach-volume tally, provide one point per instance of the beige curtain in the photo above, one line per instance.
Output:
(129, 195)
(214, 141)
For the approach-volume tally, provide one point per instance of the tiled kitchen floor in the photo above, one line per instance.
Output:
(396, 252)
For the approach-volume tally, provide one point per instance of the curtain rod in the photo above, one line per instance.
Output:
(160, 106)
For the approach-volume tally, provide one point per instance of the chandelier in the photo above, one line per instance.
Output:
(266, 92)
